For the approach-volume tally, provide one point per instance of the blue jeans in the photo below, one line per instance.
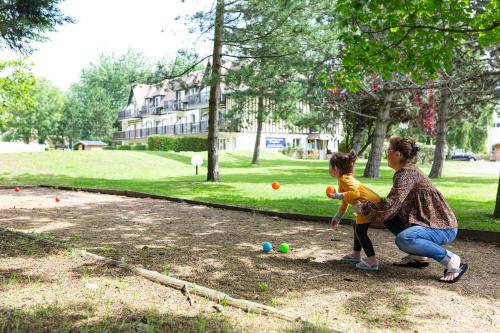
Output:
(422, 241)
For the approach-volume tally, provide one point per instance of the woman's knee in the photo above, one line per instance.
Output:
(406, 239)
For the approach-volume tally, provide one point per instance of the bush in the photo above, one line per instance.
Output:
(139, 147)
(181, 143)
(426, 153)
(125, 147)
(109, 148)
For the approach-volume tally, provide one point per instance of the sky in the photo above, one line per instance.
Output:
(113, 26)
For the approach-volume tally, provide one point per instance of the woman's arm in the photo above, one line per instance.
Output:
(380, 211)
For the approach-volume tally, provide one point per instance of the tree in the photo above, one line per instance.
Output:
(497, 204)
(40, 120)
(103, 89)
(414, 37)
(23, 21)
(185, 61)
(213, 101)
(16, 84)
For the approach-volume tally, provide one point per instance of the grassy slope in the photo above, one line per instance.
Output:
(303, 181)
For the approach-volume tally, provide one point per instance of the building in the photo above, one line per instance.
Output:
(494, 137)
(180, 107)
(89, 145)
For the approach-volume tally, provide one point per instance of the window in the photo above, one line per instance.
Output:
(296, 142)
(193, 118)
(223, 144)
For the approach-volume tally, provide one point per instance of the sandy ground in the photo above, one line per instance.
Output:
(46, 289)
(221, 249)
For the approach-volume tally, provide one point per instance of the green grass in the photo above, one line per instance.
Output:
(472, 196)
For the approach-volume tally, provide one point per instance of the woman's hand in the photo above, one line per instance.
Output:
(357, 207)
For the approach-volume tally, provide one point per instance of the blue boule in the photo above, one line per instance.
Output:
(266, 246)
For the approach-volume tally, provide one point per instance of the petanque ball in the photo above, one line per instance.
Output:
(266, 246)
(284, 247)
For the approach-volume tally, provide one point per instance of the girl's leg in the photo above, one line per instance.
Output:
(357, 244)
(355, 256)
(361, 231)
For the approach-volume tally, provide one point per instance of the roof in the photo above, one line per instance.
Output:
(91, 143)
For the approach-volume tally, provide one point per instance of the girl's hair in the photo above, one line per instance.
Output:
(406, 146)
(344, 162)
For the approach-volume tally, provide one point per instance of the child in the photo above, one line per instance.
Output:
(350, 191)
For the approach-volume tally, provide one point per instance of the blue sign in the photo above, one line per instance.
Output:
(275, 143)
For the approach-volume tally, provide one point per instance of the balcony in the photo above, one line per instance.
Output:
(196, 99)
(178, 129)
(147, 111)
(174, 105)
(127, 114)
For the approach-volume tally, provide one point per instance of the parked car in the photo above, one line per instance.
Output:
(461, 156)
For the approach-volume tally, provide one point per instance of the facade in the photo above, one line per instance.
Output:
(180, 107)
(494, 137)
(89, 145)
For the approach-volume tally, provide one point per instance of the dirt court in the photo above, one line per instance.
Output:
(221, 249)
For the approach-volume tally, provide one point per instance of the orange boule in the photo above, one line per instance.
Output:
(275, 185)
(330, 190)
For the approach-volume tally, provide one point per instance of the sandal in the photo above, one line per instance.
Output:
(349, 258)
(363, 265)
(461, 270)
(409, 261)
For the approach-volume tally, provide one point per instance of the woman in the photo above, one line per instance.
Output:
(416, 212)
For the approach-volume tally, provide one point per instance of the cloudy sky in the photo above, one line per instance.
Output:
(113, 26)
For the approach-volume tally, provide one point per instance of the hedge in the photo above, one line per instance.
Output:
(179, 143)
(125, 147)
(139, 147)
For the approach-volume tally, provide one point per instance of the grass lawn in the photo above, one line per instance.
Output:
(471, 195)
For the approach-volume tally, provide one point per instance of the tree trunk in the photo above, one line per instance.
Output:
(439, 152)
(260, 121)
(359, 134)
(372, 169)
(497, 205)
(213, 102)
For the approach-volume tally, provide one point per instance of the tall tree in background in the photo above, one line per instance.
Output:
(24, 21)
(413, 38)
(103, 89)
(16, 85)
(41, 119)
(213, 101)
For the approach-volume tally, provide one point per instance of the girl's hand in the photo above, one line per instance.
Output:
(336, 195)
(335, 222)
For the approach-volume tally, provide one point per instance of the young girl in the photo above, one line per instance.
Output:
(351, 190)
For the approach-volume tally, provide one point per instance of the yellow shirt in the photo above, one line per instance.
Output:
(353, 190)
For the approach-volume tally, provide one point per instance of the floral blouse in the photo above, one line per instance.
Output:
(414, 199)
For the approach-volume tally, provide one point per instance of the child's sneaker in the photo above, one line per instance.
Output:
(366, 266)
(350, 258)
